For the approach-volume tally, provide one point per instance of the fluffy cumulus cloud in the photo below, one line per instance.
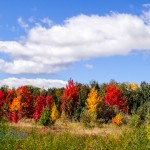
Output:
(41, 83)
(52, 49)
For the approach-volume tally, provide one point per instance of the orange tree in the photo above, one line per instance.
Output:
(21, 105)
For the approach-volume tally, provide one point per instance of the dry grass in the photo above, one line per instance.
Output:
(77, 128)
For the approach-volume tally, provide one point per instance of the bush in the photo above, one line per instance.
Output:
(45, 118)
(118, 120)
(88, 119)
(83, 91)
(106, 113)
(144, 111)
(137, 98)
(135, 121)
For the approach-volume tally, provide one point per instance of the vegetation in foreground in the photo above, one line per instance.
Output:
(22, 139)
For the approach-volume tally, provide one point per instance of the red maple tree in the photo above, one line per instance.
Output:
(114, 97)
(69, 100)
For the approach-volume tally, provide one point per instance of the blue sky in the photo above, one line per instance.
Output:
(48, 42)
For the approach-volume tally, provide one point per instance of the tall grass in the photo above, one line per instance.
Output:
(135, 139)
(8, 140)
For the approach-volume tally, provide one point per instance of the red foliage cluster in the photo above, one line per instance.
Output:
(8, 100)
(14, 117)
(69, 98)
(10, 96)
(1, 98)
(27, 102)
(42, 102)
(2, 95)
(114, 97)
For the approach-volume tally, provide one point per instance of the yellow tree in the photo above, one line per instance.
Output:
(55, 113)
(133, 86)
(93, 101)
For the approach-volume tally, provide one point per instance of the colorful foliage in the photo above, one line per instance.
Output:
(69, 99)
(10, 95)
(27, 101)
(1, 103)
(22, 104)
(54, 113)
(118, 120)
(41, 104)
(93, 100)
(14, 117)
(1, 98)
(133, 86)
(1, 95)
(39, 107)
(114, 97)
(100, 101)
(16, 104)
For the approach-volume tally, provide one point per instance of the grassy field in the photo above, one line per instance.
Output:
(72, 136)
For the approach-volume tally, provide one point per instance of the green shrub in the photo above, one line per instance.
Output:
(106, 113)
(45, 118)
(88, 118)
(83, 91)
(9, 138)
(135, 121)
(144, 111)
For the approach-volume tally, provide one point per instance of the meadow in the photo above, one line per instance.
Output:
(124, 138)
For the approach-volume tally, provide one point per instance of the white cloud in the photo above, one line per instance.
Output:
(41, 83)
(146, 16)
(22, 23)
(89, 66)
(49, 50)
(47, 21)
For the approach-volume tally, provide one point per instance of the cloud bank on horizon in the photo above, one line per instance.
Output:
(52, 49)
(41, 83)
